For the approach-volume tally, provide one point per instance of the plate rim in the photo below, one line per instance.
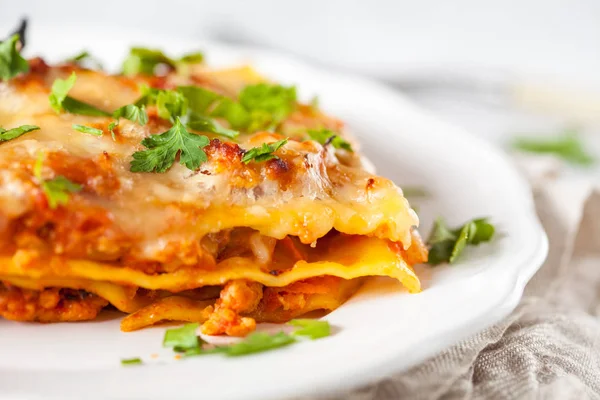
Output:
(521, 274)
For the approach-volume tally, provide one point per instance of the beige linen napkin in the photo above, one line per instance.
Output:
(549, 347)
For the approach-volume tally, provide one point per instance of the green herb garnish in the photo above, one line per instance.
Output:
(60, 100)
(326, 136)
(447, 244)
(268, 104)
(85, 58)
(131, 361)
(57, 190)
(163, 149)
(133, 113)
(264, 152)
(182, 339)
(199, 122)
(192, 58)
(568, 147)
(258, 342)
(312, 328)
(6, 135)
(11, 61)
(414, 191)
(88, 129)
(144, 61)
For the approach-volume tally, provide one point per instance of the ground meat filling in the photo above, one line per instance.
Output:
(48, 305)
(237, 297)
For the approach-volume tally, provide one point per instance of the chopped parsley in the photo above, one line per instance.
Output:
(312, 328)
(182, 339)
(185, 340)
(268, 104)
(163, 149)
(6, 135)
(84, 59)
(192, 58)
(133, 113)
(204, 105)
(57, 190)
(326, 136)
(88, 129)
(446, 244)
(144, 61)
(61, 101)
(264, 152)
(201, 123)
(131, 361)
(170, 104)
(258, 342)
(568, 147)
(11, 61)
(414, 191)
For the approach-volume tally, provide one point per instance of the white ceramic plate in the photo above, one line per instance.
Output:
(381, 330)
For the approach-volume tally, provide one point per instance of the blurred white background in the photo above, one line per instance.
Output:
(496, 67)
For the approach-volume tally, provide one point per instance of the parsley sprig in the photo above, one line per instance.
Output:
(11, 61)
(163, 149)
(131, 361)
(57, 190)
(10, 134)
(184, 339)
(88, 129)
(326, 136)
(144, 61)
(568, 147)
(264, 152)
(267, 104)
(61, 101)
(447, 244)
(85, 59)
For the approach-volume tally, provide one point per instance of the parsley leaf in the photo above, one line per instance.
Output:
(57, 190)
(183, 338)
(264, 152)
(447, 244)
(144, 61)
(60, 89)
(131, 361)
(88, 130)
(326, 136)
(311, 328)
(11, 61)
(568, 147)
(258, 342)
(206, 124)
(6, 135)
(268, 104)
(163, 149)
(85, 58)
(60, 100)
(206, 104)
(169, 103)
(192, 58)
(414, 191)
(132, 113)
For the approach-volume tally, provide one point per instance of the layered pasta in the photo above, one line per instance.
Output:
(229, 243)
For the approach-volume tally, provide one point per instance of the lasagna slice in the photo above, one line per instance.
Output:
(184, 193)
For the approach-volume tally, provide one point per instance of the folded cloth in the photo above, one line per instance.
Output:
(549, 347)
